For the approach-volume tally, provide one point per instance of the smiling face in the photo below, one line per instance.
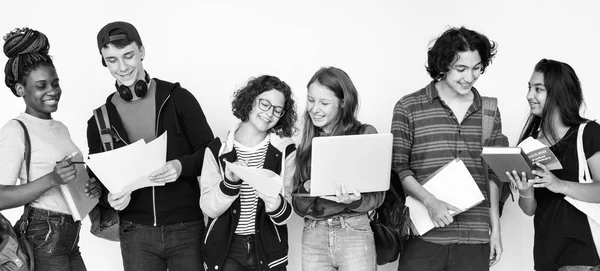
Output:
(41, 92)
(536, 96)
(125, 64)
(265, 104)
(322, 106)
(463, 73)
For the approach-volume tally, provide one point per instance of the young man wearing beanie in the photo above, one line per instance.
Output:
(161, 227)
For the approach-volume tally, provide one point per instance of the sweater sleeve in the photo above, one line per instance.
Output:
(196, 129)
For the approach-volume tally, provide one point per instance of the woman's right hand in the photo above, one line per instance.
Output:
(64, 171)
(520, 182)
(230, 175)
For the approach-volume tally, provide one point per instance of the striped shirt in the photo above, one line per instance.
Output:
(427, 136)
(255, 157)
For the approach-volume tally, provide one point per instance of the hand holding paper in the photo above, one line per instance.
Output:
(128, 168)
(263, 180)
(168, 173)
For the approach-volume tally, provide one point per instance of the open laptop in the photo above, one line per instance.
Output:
(361, 162)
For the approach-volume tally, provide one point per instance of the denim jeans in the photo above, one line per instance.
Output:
(579, 268)
(55, 238)
(242, 255)
(419, 255)
(174, 247)
(339, 243)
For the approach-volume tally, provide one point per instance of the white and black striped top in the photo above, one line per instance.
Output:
(255, 157)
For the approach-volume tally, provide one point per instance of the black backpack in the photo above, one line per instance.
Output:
(390, 223)
(16, 250)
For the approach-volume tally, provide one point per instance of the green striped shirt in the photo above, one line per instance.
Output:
(428, 136)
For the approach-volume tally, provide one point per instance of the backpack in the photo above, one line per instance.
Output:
(105, 220)
(390, 223)
(16, 250)
(489, 105)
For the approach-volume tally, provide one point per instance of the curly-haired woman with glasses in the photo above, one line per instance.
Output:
(246, 228)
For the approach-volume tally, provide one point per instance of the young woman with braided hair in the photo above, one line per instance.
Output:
(30, 74)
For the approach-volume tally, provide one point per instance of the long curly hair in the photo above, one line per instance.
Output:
(244, 100)
(26, 49)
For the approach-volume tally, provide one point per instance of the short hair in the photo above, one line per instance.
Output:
(26, 49)
(244, 100)
(453, 41)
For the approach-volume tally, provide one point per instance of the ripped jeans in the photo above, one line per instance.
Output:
(338, 243)
(55, 239)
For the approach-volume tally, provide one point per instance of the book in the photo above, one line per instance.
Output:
(74, 193)
(521, 158)
(452, 184)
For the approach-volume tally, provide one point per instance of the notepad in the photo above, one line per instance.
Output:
(451, 183)
(362, 162)
(74, 193)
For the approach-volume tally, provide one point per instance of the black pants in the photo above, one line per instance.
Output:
(242, 255)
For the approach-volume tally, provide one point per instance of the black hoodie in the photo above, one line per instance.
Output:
(179, 113)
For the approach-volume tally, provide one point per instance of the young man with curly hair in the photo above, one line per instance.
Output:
(435, 125)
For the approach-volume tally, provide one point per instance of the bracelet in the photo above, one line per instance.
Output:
(526, 197)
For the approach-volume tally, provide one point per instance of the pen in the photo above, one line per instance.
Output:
(74, 162)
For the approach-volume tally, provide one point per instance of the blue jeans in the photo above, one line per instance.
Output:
(174, 247)
(419, 255)
(55, 238)
(338, 243)
(579, 268)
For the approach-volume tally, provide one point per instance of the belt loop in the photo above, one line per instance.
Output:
(62, 220)
(313, 223)
(342, 222)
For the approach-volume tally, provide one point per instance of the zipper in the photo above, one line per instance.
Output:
(210, 228)
(156, 135)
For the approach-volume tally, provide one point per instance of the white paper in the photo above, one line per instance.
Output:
(262, 180)
(128, 168)
(454, 185)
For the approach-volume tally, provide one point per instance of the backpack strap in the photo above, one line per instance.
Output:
(489, 106)
(103, 123)
(27, 156)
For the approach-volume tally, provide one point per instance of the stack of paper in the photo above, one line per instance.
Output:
(262, 180)
(452, 184)
(128, 168)
(74, 193)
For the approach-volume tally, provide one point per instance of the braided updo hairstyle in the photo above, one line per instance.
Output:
(26, 49)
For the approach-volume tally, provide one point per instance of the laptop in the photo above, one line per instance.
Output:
(362, 162)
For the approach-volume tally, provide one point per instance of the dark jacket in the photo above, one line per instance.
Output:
(179, 113)
(222, 204)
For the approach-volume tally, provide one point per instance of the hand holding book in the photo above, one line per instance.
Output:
(521, 159)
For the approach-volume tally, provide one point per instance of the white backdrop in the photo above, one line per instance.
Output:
(212, 48)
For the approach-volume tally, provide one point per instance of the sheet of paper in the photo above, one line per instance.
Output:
(263, 180)
(127, 168)
(452, 184)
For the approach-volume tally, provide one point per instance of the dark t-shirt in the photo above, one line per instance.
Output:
(562, 232)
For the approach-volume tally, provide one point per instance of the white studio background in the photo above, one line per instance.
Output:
(213, 47)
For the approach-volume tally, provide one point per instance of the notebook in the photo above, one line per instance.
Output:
(362, 162)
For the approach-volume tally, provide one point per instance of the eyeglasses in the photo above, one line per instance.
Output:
(265, 105)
